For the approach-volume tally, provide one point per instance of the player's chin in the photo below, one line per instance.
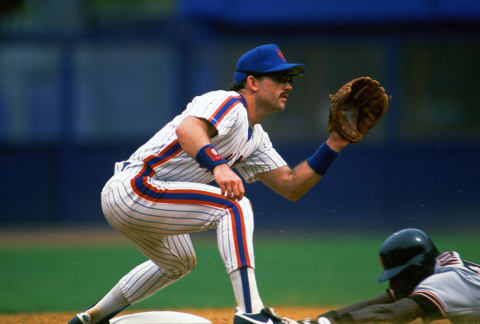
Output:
(277, 106)
(282, 103)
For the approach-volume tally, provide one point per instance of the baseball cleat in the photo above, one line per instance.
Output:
(266, 316)
(81, 318)
(84, 318)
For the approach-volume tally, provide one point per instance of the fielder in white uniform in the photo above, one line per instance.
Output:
(424, 284)
(163, 192)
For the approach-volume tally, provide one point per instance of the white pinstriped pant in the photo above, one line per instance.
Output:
(158, 216)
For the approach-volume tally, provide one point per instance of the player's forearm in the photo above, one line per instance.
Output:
(383, 298)
(305, 175)
(402, 311)
(301, 180)
(291, 184)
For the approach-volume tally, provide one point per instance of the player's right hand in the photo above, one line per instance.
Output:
(229, 182)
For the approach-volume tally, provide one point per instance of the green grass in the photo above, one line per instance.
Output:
(308, 270)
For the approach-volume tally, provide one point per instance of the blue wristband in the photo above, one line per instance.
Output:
(208, 157)
(322, 159)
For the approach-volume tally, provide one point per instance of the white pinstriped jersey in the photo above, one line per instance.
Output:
(248, 150)
(160, 195)
(454, 288)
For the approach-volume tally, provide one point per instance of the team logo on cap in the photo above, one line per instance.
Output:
(279, 52)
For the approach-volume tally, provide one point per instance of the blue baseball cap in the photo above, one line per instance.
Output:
(265, 59)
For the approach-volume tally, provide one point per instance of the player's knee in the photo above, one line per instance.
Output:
(189, 262)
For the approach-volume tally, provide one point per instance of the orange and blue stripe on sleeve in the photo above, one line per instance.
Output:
(442, 308)
(224, 108)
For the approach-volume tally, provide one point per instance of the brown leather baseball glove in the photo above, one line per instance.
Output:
(356, 107)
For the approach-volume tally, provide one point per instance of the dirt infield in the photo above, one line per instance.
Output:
(216, 316)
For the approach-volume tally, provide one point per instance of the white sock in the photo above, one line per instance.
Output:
(244, 283)
(112, 302)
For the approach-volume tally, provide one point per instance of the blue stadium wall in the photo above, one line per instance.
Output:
(88, 97)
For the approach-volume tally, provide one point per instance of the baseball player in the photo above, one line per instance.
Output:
(163, 192)
(423, 284)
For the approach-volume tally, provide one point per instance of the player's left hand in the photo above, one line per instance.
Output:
(229, 182)
(356, 107)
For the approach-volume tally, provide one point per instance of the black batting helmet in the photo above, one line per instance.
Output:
(405, 249)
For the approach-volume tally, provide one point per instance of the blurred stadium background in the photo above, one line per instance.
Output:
(84, 82)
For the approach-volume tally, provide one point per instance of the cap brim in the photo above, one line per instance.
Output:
(294, 68)
(390, 273)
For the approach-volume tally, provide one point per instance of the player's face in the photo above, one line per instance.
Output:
(401, 286)
(273, 91)
(404, 283)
